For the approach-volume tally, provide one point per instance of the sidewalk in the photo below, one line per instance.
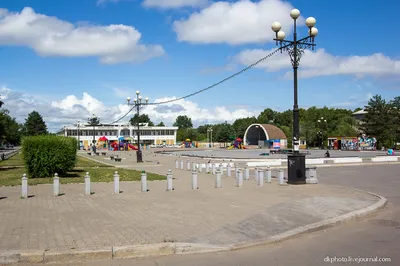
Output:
(225, 216)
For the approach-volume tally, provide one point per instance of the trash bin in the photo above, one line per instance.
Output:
(296, 169)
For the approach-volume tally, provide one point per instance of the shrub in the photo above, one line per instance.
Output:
(46, 155)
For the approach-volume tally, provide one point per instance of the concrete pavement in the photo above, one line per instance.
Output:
(377, 235)
(220, 217)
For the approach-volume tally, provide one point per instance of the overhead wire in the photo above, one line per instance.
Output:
(205, 89)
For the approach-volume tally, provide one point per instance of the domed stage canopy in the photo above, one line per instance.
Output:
(256, 132)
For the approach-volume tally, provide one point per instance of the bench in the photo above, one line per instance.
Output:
(104, 153)
(98, 154)
(117, 159)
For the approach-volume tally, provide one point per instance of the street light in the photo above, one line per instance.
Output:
(94, 121)
(137, 102)
(209, 132)
(79, 142)
(321, 120)
(295, 49)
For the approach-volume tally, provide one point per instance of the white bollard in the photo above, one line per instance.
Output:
(221, 168)
(236, 170)
(24, 188)
(256, 174)
(188, 165)
(194, 180)
(87, 184)
(239, 178)
(260, 177)
(56, 185)
(311, 175)
(268, 175)
(246, 173)
(200, 167)
(116, 183)
(143, 178)
(181, 164)
(176, 164)
(193, 166)
(207, 168)
(228, 170)
(169, 181)
(218, 182)
(213, 168)
(281, 181)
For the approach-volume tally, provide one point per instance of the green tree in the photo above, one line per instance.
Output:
(378, 121)
(161, 124)
(183, 121)
(35, 125)
(395, 114)
(240, 125)
(225, 133)
(267, 116)
(143, 118)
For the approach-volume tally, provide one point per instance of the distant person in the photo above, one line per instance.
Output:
(327, 154)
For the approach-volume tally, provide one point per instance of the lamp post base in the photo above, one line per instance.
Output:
(139, 158)
(296, 169)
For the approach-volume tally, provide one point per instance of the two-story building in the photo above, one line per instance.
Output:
(113, 132)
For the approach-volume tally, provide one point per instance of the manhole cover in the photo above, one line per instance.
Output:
(385, 222)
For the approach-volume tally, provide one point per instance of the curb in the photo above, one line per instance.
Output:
(171, 248)
(328, 223)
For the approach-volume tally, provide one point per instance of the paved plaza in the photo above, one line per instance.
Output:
(209, 215)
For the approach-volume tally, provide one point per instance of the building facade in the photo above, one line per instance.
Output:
(114, 132)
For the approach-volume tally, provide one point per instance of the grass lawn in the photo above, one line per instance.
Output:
(11, 172)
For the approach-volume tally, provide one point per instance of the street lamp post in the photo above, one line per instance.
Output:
(79, 141)
(321, 120)
(137, 102)
(295, 49)
(210, 131)
(94, 121)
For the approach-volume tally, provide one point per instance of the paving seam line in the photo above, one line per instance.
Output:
(170, 248)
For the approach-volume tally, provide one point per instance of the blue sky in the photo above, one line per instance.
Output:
(64, 59)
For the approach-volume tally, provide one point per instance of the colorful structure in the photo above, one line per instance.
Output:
(238, 144)
(362, 143)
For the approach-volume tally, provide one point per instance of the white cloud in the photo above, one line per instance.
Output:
(50, 36)
(71, 109)
(101, 2)
(321, 63)
(235, 23)
(169, 4)
(168, 112)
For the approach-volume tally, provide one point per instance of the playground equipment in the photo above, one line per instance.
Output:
(187, 143)
(238, 144)
(130, 146)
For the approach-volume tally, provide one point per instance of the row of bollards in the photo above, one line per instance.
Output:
(260, 180)
(259, 172)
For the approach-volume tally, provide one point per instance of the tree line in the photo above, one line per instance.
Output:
(11, 132)
(381, 121)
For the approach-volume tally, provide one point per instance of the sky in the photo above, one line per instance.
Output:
(68, 59)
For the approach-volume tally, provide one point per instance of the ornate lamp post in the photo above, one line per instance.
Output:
(94, 121)
(295, 49)
(137, 102)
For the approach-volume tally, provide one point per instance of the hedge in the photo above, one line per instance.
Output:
(46, 155)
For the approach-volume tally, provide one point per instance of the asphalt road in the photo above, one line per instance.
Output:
(374, 236)
(255, 153)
